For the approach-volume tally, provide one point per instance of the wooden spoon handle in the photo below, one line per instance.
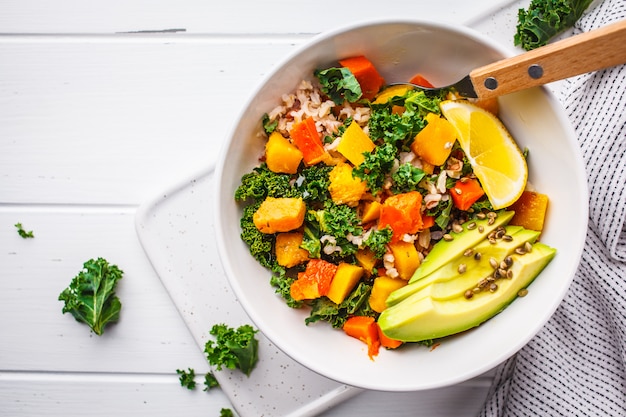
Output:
(587, 52)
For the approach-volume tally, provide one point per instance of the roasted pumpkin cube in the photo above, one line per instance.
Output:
(288, 250)
(370, 211)
(406, 258)
(314, 282)
(281, 155)
(279, 215)
(434, 142)
(346, 277)
(383, 286)
(367, 259)
(354, 142)
(530, 210)
(344, 188)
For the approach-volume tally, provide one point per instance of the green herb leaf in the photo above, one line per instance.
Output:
(23, 233)
(187, 378)
(233, 348)
(210, 381)
(339, 84)
(91, 298)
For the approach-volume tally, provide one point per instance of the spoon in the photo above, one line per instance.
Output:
(591, 51)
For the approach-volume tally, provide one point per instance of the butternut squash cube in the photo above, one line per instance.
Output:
(406, 258)
(281, 155)
(346, 277)
(530, 210)
(370, 211)
(383, 286)
(353, 143)
(288, 250)
(367, 259)
(344, 188)
(279, 215)
(434, 142)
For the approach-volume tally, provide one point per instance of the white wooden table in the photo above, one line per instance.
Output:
(102, 104)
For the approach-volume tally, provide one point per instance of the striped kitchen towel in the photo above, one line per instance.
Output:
(576, 365)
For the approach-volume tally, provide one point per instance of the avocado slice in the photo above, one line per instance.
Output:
(475, 269)
(446, 251)
(419, 318)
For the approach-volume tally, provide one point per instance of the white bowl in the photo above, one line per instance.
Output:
(399, 49)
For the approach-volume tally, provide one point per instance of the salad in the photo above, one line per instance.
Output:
(358, 183)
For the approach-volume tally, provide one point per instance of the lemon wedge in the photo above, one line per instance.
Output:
(496, 159)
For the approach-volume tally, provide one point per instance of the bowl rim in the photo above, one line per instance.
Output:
(269, 331)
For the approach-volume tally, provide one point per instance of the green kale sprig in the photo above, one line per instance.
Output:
(376, 167)
(187, 378)
(262, 183)
(544, 19)
(339, 84)
(260, 244)
(23, 233)
(323, 309)
(233, 348)
(91, 297)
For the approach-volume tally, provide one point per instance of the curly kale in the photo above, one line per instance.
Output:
(313, 182)
(400, 129)
(336, 220)
(339, 84)
(377, 241)
(91, 297)
(376, 167)
(545, 19)
(406, 178)
(262, 183)
(233, 348)
(23, 233)
(187, 378)
(260, 244)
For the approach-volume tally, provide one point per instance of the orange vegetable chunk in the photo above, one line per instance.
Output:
(279, 215)
(365, 329)
(288, 250)
(386, 341)
(315, 281)
(354, 142)
(370, 211)
(366, 74)
(281, 155)
(420, 80)
(305, 136)
(466, 192)
(382, 287)
(406, 258)
(434, 142)
(367, 259)
(530, 210)
(402, 213)
(344, 188)
(345, 279)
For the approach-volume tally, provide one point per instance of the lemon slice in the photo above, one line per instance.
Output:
(495, 157)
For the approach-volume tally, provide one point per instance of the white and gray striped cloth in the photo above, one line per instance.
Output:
(576, 365)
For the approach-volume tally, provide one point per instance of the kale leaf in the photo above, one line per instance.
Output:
(406, 178)
(23, 233)
(313, 182)
(233, 348)
(260, 244)
(339, 84)
(282, 285)
(377, 241)
(187, 378)
(262, 183)
(376, 166)
(91, 297)
(210, 381)
(545, 19)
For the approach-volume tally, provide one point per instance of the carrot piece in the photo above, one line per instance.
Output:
(427, 221)
(386, 341)
(306, 138)
(402, 213)
(365, 329)
(421, 81)
(315, 281)
(366, 74)
(530, 210)
(466, 192)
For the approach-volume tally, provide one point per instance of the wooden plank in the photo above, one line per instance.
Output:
(150, 336)
(214, 17)
(120, 122)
